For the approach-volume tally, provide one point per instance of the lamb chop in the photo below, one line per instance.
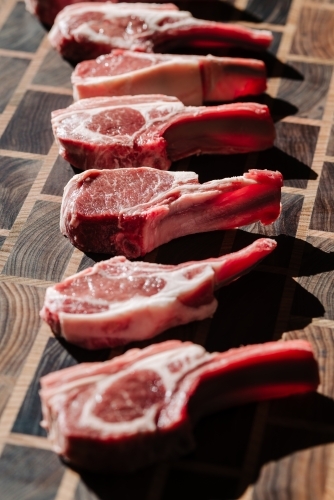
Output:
(88, 30)
(155, 130)
(192, 79)
(118, 301)
(141, 407)
(131, 211)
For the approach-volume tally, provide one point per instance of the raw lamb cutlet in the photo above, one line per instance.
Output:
(88, 30)
(192, 79)
(118, 301)
(155, 130)
(131, 211)
(141, 407)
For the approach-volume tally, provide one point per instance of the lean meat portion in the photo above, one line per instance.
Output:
(131, 211)
(46, 10)
(88, 30)
(155, 130)
(192, 79)
(118, 301)
(141, 407)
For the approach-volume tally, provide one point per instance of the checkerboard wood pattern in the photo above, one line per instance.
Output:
(280, 450)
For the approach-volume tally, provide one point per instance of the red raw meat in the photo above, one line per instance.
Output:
(88, 30)
(46, 10)
(141, 407)
(192, 79)
(118, 301)
(131, 211)
(155, 130)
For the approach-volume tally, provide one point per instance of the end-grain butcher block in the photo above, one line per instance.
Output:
(192, 79)
(155, 130)
(141, 407)
(118, 301)
(88, 30)
(131, 211)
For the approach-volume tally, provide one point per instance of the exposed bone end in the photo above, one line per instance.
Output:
(263, 38)
(235, 265)
(265, 245)
(224, 129)
(265, 177)
(226, 78)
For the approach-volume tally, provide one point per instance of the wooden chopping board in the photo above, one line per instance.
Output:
(280, 450)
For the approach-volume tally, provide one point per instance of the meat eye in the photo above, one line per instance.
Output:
(118, 121)
(129, 397)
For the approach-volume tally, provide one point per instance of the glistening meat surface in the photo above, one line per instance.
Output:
(141, 407)
(155, 130)
(192, 79)
(131, 211)
(88, 30)
(118, 301)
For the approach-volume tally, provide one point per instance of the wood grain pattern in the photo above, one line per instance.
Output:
(18, 302)
(309, 421)
(35, 109)
(68, 485)
(330, 145)
(314, 35)
(292, 154)
(286, 225)
(55, 357)
(11, 70)
(309, 94)
(60, 175)
(275, 12)
(283, 448)
(19, 323)
(7, 382)
(286, 475)
(38, 476)
(283, 231)
(322, 216)
(320, 259)
(54, 71)
(277, 37)
(41, 251)
(17, 439)
(17, 178)
(20, 32)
